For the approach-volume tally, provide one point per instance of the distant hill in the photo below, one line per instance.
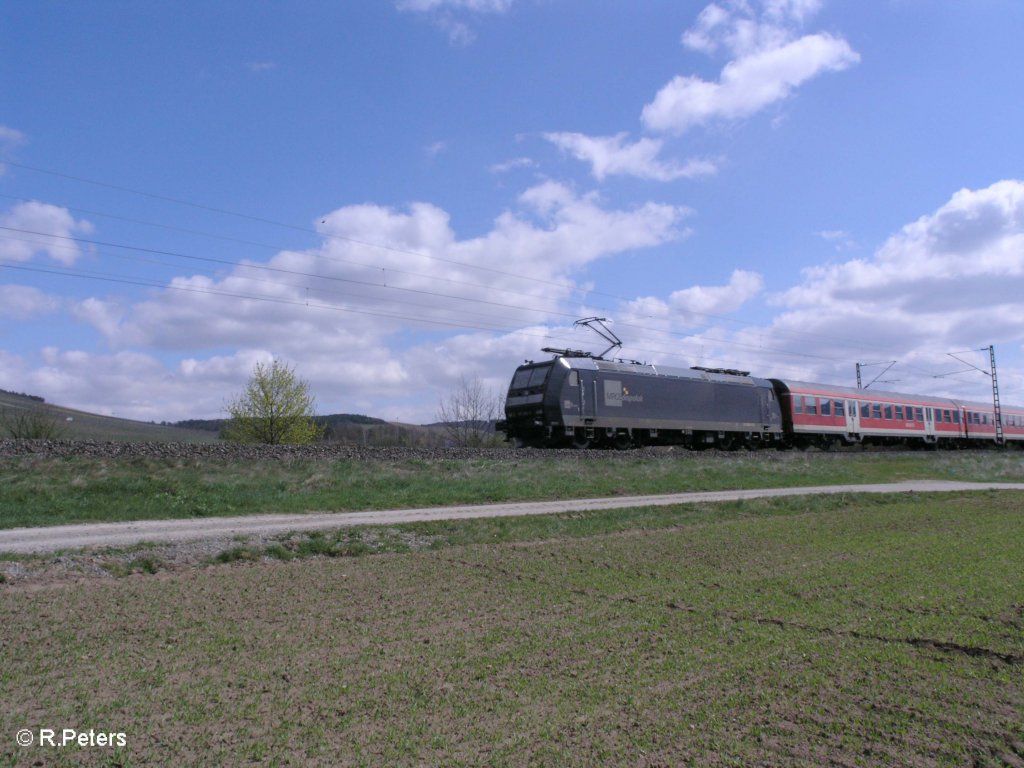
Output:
(71, 424)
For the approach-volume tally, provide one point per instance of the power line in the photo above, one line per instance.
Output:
(281, 248)
(282, 270)
(272, 222)
(149, 283)
(682, 335)
(221, 211)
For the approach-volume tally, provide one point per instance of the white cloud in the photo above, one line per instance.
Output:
(431, 151)
(22, 302)
(10, 136)
(476, 6)
(952, 280)
(977, 236)
(736, 26)
(612, 155)
(127, 384)
(10, 139)
(449, 15)
(840, 238)
(33, 228)
(513, 164)
(694, 305)
(350, 315)
(834, 234)
(769, 60)
(716, 300)
(768, 63)
(746, 85)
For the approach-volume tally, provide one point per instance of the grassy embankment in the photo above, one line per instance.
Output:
(870, 631)
(49, 491)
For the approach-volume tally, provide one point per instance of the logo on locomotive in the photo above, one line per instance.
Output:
(615, 394)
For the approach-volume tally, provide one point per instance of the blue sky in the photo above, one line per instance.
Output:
(394, 195)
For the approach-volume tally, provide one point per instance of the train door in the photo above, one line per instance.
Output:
(852, 417)
(588, 395)
(572, 404)
(929, 425)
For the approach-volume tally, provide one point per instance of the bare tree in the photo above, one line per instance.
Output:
(468, 414)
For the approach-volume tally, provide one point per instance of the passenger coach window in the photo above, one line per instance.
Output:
(812, 406)
(888, 412)
(798, 403)
(826, 407)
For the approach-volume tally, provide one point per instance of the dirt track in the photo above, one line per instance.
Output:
(49, 539)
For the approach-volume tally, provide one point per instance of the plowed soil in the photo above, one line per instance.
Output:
(883, 632)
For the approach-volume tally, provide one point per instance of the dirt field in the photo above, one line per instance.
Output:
(878, 631)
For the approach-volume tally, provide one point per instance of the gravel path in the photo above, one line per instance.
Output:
(49, 539)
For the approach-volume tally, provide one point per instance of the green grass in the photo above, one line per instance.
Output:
(875, 631)
(47, 491)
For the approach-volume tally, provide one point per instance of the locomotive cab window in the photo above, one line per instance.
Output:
(528, 378)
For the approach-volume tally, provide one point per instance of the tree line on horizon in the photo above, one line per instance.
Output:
(276, 407)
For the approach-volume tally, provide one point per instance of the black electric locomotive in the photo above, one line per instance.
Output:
(581, 400)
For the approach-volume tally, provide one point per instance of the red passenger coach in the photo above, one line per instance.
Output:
(980, 422)
(818, 414)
